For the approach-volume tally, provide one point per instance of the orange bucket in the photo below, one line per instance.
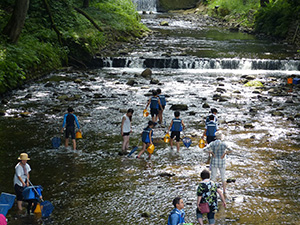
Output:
(151, 148)
(167, 138)
(38, 208)
(145, 113)
(290, 80)
(78, 135)
(201, 143)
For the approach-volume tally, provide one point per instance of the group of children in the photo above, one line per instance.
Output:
(157, 105)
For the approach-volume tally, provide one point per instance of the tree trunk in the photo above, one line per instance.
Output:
(86, 3)
(263, 3)
(16, 22)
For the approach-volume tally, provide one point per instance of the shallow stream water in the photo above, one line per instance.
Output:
(94, 185)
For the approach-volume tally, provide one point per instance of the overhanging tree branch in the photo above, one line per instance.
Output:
(89, 18)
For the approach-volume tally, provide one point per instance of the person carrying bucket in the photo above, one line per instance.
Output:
(147, 138)
(69, 121)
(176, 126)
(155, 104)
(162, 99)
(21, 177)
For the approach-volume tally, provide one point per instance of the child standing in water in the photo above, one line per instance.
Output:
(69, 121)
(147, 138)
(154, 106)
(176, 126)
(162, 99)
(126, 129)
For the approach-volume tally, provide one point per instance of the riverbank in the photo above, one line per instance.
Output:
(63, 34)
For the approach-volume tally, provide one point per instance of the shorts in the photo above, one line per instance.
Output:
(210, 139)
(210, 216)
(163, 107)
(126, 134)
(214, 173)
(70, 130)
(19, 191)
(175, 134)
(153, 112)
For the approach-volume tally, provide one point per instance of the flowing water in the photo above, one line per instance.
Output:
(195, 63)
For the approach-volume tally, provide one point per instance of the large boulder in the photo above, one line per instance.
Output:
(146, 73)
(167, 5)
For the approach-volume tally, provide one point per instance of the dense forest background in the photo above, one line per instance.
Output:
(38, 36)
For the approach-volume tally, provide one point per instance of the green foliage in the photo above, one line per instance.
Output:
(38, 50)
(242, 10)
(276, 18)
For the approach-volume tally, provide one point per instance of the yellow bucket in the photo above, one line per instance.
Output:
(38, 208)
(145, 113)
(201, 143)
(290, 80)
(167, 138)
(151, 148)
(78, 135)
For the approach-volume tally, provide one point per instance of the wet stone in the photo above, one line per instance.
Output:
(48, 84)
(192, 113)
(237, 92)
(248, 125)
(222, 90)
(2, 113)
(154, 81)
(146, 214)
(25, 114)
(164, 23)
(220, 78)
(277, 113)
(179, 107)
(131, 82)
(78, 81)
(206, 106)
(146, 73)
(28, 96)
(4, 101)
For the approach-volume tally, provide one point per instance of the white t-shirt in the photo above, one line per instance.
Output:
(21, 173)
(126, 125)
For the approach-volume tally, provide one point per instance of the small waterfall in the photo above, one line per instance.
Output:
(198, 63)
(145, 5)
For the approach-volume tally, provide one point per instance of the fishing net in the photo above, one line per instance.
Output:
(187, 142)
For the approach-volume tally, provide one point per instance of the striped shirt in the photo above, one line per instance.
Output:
(218, 147)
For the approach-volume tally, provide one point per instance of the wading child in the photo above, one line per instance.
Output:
(162, 99)
(126, 129)
(176, 126)
(210, 130)
(69, 121)
(213, 112)
(154, 103)
(147, 138)
(177, 214)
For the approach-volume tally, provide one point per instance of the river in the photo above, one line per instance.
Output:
(195, 62)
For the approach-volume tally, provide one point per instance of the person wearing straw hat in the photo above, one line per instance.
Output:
(218, 150)
(21, 178)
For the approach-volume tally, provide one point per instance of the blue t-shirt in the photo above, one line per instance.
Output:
(154, 103)
(176, 126)
(162, 99)
(145, 135)
(176, 217)
(70, 120)
(211, 128)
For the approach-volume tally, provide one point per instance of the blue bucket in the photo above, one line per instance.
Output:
(6, 198)
(29, 192)
(4, 209)
(56, 142)
(296, 81)
(187, 142)
(47, 208)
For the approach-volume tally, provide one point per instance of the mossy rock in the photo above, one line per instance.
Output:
(167, 5)
(253, 83)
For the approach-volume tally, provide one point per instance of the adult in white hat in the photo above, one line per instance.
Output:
(219, 150)
(21, 178)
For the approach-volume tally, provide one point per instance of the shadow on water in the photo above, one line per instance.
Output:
(95, 185)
